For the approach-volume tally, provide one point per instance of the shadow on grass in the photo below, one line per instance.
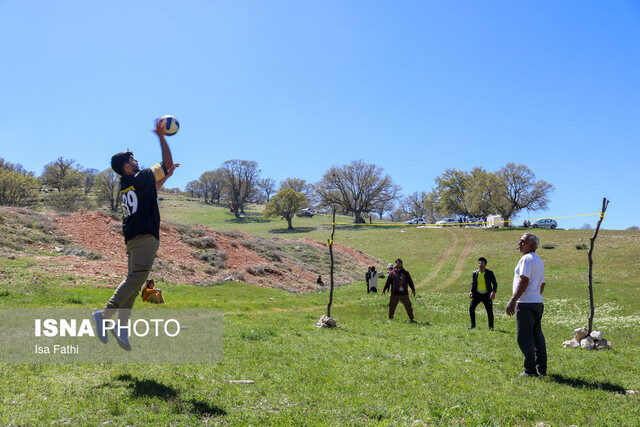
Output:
(141, 389)
(594, 385)
(294, 231)
(248, 218)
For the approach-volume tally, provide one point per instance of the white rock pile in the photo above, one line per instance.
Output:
(327, 322)
(593, 341)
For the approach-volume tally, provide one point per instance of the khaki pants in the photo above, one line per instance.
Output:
(393, 303)
(141, 252)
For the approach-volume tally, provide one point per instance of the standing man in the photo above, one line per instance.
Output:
(526, 304)
(483, 290)
(399, 280)
(141, 229)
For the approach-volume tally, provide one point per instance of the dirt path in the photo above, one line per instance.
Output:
(457, 272)
(446, 256)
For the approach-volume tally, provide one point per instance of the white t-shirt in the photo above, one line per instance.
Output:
(531, 266)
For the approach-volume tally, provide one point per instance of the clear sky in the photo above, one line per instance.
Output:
(415, 87)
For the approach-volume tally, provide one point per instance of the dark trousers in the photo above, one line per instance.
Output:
(530, 337)
(488, 304)
(393, 303)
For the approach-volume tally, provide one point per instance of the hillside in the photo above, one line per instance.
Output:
(90, 246)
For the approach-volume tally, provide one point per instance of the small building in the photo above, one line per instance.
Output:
(494, 221)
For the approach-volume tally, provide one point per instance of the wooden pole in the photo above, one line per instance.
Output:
(330, 242)
(605, 203)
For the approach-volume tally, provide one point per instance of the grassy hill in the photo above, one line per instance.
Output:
(369, 371)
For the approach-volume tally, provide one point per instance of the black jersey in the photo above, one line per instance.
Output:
(140, 200)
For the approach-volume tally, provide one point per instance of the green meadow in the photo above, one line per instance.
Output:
(279, 369)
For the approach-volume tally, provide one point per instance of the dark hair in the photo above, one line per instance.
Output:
(483, 259)
(398, 260)
(118, 160)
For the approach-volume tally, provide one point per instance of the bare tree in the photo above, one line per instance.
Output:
(268, 185)
(357, 188)
(108, 189)
(212, 183)
(240, 179)
(88, 178)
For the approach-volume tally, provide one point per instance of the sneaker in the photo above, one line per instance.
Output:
(491, 328)
(412, 321)
(471, 327)
(97, 317)
(526, 374)
(122, 338)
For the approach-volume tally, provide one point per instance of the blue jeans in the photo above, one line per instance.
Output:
(530, 337)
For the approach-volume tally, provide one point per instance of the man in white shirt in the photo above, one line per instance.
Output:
(526, 303)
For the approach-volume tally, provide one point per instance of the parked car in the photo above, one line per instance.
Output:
(447, 221)
(545, 223)
(416, 221)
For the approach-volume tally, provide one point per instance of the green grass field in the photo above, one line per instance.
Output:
(369, 371)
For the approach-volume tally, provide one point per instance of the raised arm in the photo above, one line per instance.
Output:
(167, 159)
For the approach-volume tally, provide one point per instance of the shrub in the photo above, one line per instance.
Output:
(201, 242)
(217, 259)
(581, 246)
(79, 251)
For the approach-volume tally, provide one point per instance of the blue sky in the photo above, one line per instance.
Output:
(415, 87)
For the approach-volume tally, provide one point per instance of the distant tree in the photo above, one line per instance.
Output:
(633, 227)
(299, 185)
(382, 207)
(413, 206)
(520, 190)
(194, 188)
(107, 185)
(453, 188)
(13, 167)
(285, 204)
(357, 188)
(240, 179)
(586, 226)
(480, 193)
(62, 175)
(268, 185)
(89, 179)
(212, 183)
(423, 205)
(17, 188)
(484, 192)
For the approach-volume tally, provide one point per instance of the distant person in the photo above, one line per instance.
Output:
(389, 268)
(141, 228)
(319, 281)
(367, 277)
(399, 281)
(483, 290)
(526, 303)
(373, 279)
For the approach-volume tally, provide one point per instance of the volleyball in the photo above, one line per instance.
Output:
(172, 125)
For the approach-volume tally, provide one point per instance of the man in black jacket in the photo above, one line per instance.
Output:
(483, 290)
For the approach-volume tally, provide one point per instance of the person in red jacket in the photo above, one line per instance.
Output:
(398, 282)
